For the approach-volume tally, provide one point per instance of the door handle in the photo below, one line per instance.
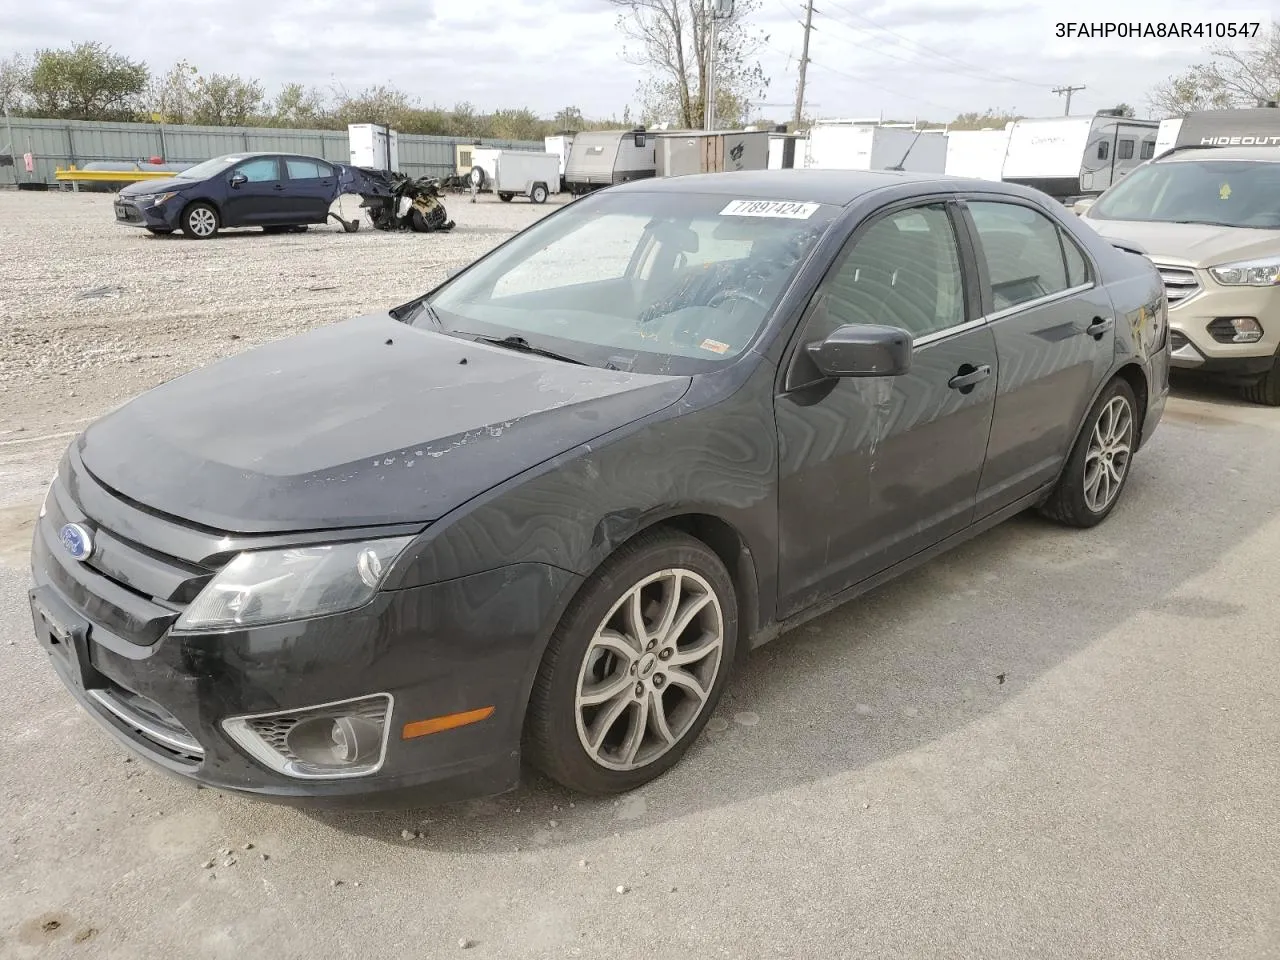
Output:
(1100, 326)
(278, 186)
(968, 376)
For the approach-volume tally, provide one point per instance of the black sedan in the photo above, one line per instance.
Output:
(541, 512)
(275, 191)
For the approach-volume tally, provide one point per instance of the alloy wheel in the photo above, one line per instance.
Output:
(1110, 449)
(649, 669)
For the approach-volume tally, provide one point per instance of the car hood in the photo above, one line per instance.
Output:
(1193, 244)
(361, 423)
(144, 187)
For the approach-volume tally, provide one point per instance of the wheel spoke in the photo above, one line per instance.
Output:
(638, 725)
(635, 619)
(618, 644)
(686, 680)
(658, 718)
(707, 644)
(687, 613)
(602, 724)
(606, 689)
(670, 605)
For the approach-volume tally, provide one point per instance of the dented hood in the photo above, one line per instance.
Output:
(340, 428)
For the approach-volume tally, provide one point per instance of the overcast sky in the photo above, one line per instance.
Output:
(927, 58)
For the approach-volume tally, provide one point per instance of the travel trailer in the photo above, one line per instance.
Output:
(603, 158)
(1072, 157)
(854, 145)
(682, 152)
(977, 153)
(1247, 127)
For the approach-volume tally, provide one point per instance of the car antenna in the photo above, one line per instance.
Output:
(898, 166)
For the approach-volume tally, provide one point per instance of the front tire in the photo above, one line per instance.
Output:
(200, 221)
(539, 194)
(636, 666)
(1098, 468)
(1266, 390)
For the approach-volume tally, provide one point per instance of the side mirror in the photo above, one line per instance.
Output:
(858, 350)
(238, 178)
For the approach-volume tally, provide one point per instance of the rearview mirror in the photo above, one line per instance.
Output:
(863, 350)
(238, 178)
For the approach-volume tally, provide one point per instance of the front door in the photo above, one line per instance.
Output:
(257, 201)
(1055, 333)
(310, 189)
(873, 470)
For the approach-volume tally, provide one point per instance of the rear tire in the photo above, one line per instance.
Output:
(505, 197)
(615, 705)
(200, 221)
(538, 194)
(1098, 468)
(1266, 390)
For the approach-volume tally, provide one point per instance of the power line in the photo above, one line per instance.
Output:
(894, 93)
(804, 62)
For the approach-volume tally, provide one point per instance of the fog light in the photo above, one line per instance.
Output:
(1236, 330)
(328, 741)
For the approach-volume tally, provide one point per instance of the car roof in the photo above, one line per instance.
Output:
(836, 187)
(1183, 154)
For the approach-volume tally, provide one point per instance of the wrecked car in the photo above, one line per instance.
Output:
(279, 193)
(540, 512)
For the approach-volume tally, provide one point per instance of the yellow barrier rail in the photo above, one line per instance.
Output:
(112, 176)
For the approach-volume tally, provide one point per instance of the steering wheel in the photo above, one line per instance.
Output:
(722, 296)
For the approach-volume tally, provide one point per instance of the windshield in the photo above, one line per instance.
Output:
(1231, 193)
(207, 169)
(651, 282)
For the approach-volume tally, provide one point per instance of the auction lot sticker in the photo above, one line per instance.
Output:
(783, 209)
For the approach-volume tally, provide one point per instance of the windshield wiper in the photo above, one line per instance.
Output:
(514, 342)
(406, 313)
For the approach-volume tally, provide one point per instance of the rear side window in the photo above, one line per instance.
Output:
(1104, 150)
(1077, 265)
(1024, 252)
(307, 169)
(1148, 149)
(1125, 152)
(260, 170)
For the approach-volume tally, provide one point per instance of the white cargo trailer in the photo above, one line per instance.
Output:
(517, 172)
(373, 146)
(865, 146)
(560, 146)
(683, 152)
(1071, 157)
(977, 153)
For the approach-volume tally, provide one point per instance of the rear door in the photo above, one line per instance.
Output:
(311, 188)
(1054, 330)
(256, 201)
(874, 470)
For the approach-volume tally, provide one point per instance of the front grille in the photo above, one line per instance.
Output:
(1179, 282)
(143, 570)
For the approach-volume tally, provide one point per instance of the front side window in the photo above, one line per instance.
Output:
(261, 170)
(1148, 149)
(207, 169)
(1125, 150)
(1023, 250)
(1229, 193)
(1104, 150)
(902, 271)
(654, 281)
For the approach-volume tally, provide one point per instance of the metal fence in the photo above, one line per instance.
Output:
(61, 143)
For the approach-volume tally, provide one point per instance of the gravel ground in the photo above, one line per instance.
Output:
(91, 313)
(1047, 743)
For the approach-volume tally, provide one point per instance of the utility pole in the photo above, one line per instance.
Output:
(720, 10)
(804, 62)
(1068, 91)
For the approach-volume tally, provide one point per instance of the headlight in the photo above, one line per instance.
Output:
(275, 586)
(1249, 273)
(159, 198)
(44, 504)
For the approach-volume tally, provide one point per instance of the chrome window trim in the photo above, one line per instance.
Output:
(1001, 314)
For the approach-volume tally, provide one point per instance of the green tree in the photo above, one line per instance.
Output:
(299, 106)
(1234, 76)
(170, 98)
(672, 40)
(86, 82)
(569, 119)
(15, 78)
(1120, 110)
(226, 100)
(993, 119)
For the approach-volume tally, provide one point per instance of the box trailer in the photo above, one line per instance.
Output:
(865, 146)
(509, 173)
(559, 145)
(603, 158)
(1245, 127)
(1073, 157)
(684, 152)
(373, 146)
(977, 153)
(783, 150)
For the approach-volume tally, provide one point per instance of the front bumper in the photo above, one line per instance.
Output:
(1196, 300)
(131, 214)
(437, 650)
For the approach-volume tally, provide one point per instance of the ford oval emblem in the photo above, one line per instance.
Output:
(77, 540)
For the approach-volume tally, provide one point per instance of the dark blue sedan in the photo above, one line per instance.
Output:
(275, 191)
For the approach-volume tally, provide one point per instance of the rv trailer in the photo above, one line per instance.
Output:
(1245, 127)
(977, 153)
(682, 152)
(783, 149)
(604, 158)
(1073, 157)
(870, 146)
